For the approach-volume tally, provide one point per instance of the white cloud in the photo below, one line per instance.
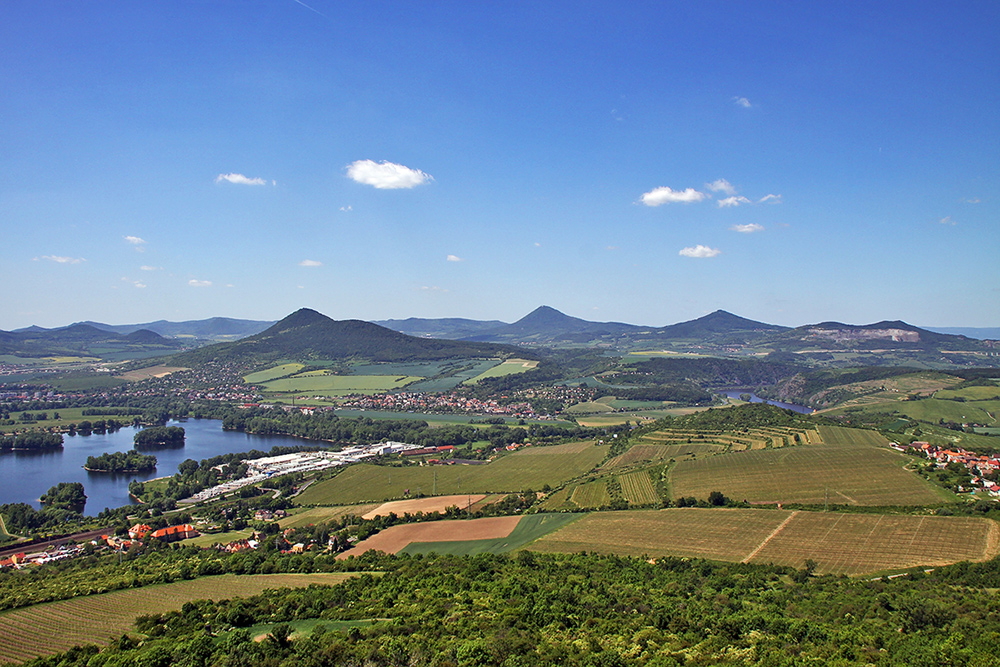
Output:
(432, 288)
(135, 240)
(974, 200)
(199, 283)
(733, 201)
(721, 185)
(310, 262)
(386, 175)
(150, 268)
(770, 198)
(63, 260)
(139, 284)
(454, 258)
(742, 101)
(748, 229)
(948, 221)
(699, 251)
(665, 195)
(240, 179)
(346, 208)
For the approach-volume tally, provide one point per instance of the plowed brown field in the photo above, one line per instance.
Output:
(392, 540)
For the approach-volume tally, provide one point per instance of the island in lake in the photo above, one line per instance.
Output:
(130, 461)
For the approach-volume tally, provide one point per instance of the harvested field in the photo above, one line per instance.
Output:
(718, 534)
(530, 468)
(852, 544)
(856, 544)
(394, 539)
(436, 504)
(96, 618)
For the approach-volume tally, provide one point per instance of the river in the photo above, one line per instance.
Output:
(754, 398)
(24, 476)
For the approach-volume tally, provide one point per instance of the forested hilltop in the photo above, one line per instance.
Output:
(535, 609)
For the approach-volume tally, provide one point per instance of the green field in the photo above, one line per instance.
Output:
(970, 394)
(851, 466)
(508, 367)
(315, 515)
(591, 495)
(339, 384)
(852, 544)
(530, 528)
(49, 628)
(272, 373)
(933, 409)
(530, 468)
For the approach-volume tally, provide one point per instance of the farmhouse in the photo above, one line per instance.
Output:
(174, 533)
(139, 531)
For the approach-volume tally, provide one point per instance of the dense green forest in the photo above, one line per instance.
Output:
(534, 609)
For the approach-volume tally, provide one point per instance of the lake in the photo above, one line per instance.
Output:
(27, 475)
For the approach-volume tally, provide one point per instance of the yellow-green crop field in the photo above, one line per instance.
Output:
(530, 468)
(852, 544)
(46, 629)
(850, 466)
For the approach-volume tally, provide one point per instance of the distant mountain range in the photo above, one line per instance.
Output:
(309, 334)
(85, 340)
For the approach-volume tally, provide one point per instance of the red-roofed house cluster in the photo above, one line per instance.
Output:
(978, 465)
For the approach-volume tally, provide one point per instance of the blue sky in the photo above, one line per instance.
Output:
(787, 162)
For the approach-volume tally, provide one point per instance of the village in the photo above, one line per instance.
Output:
(983, 470)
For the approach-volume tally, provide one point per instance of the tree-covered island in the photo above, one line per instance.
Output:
(131, 461)
(160, 436)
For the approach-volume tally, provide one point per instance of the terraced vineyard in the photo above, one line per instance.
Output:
(638, 489)
(45, 629)
(592, 494)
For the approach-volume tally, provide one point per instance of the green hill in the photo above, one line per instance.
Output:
(307, 334)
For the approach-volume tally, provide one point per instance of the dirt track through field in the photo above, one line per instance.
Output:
(770, 537)
(393, 539)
